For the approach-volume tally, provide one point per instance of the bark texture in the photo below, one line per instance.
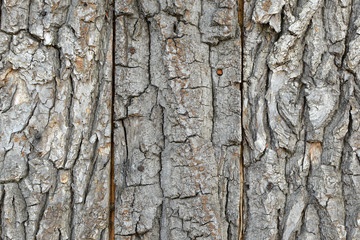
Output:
(55, 106)
(177, 122)
(301, 119)
(221, 119)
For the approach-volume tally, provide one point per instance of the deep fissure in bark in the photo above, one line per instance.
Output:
(243, 137)
(112, 162)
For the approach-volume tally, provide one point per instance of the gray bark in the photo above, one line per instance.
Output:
(301, 104)
(177, 129)
(55, 120)
(194, 119)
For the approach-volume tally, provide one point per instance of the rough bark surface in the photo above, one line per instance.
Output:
(301, 119)
(216, 116)
(55, 80)
(177, 122)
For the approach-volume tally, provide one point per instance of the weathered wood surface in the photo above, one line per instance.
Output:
(193, 96)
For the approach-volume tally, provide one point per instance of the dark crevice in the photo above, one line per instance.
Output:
(241, 205)
(125, 165)
(102, 233)
(51, 109)
(163, 204)
(279, 227)
(45, 200)
(160, 207)
(112, 162)
(347, 36)
(266, 118)
(229, 235)
(327, 229)
(72, 194)
(1, 2)
(96, 103)
(27, 120)
(92, 168)
(70, 131)
(2, 203)
(59, 231)
(349, 225)
(212, 97)
(11, 99)
(302, 228)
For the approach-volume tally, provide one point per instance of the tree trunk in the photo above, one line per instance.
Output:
(193, 119)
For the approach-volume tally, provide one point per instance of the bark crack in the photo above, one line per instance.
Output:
(112, 163)
(241, 203)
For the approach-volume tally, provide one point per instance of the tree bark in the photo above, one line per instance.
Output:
(55, 81)
(301, 119)
(193, 119)
(177, 122)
